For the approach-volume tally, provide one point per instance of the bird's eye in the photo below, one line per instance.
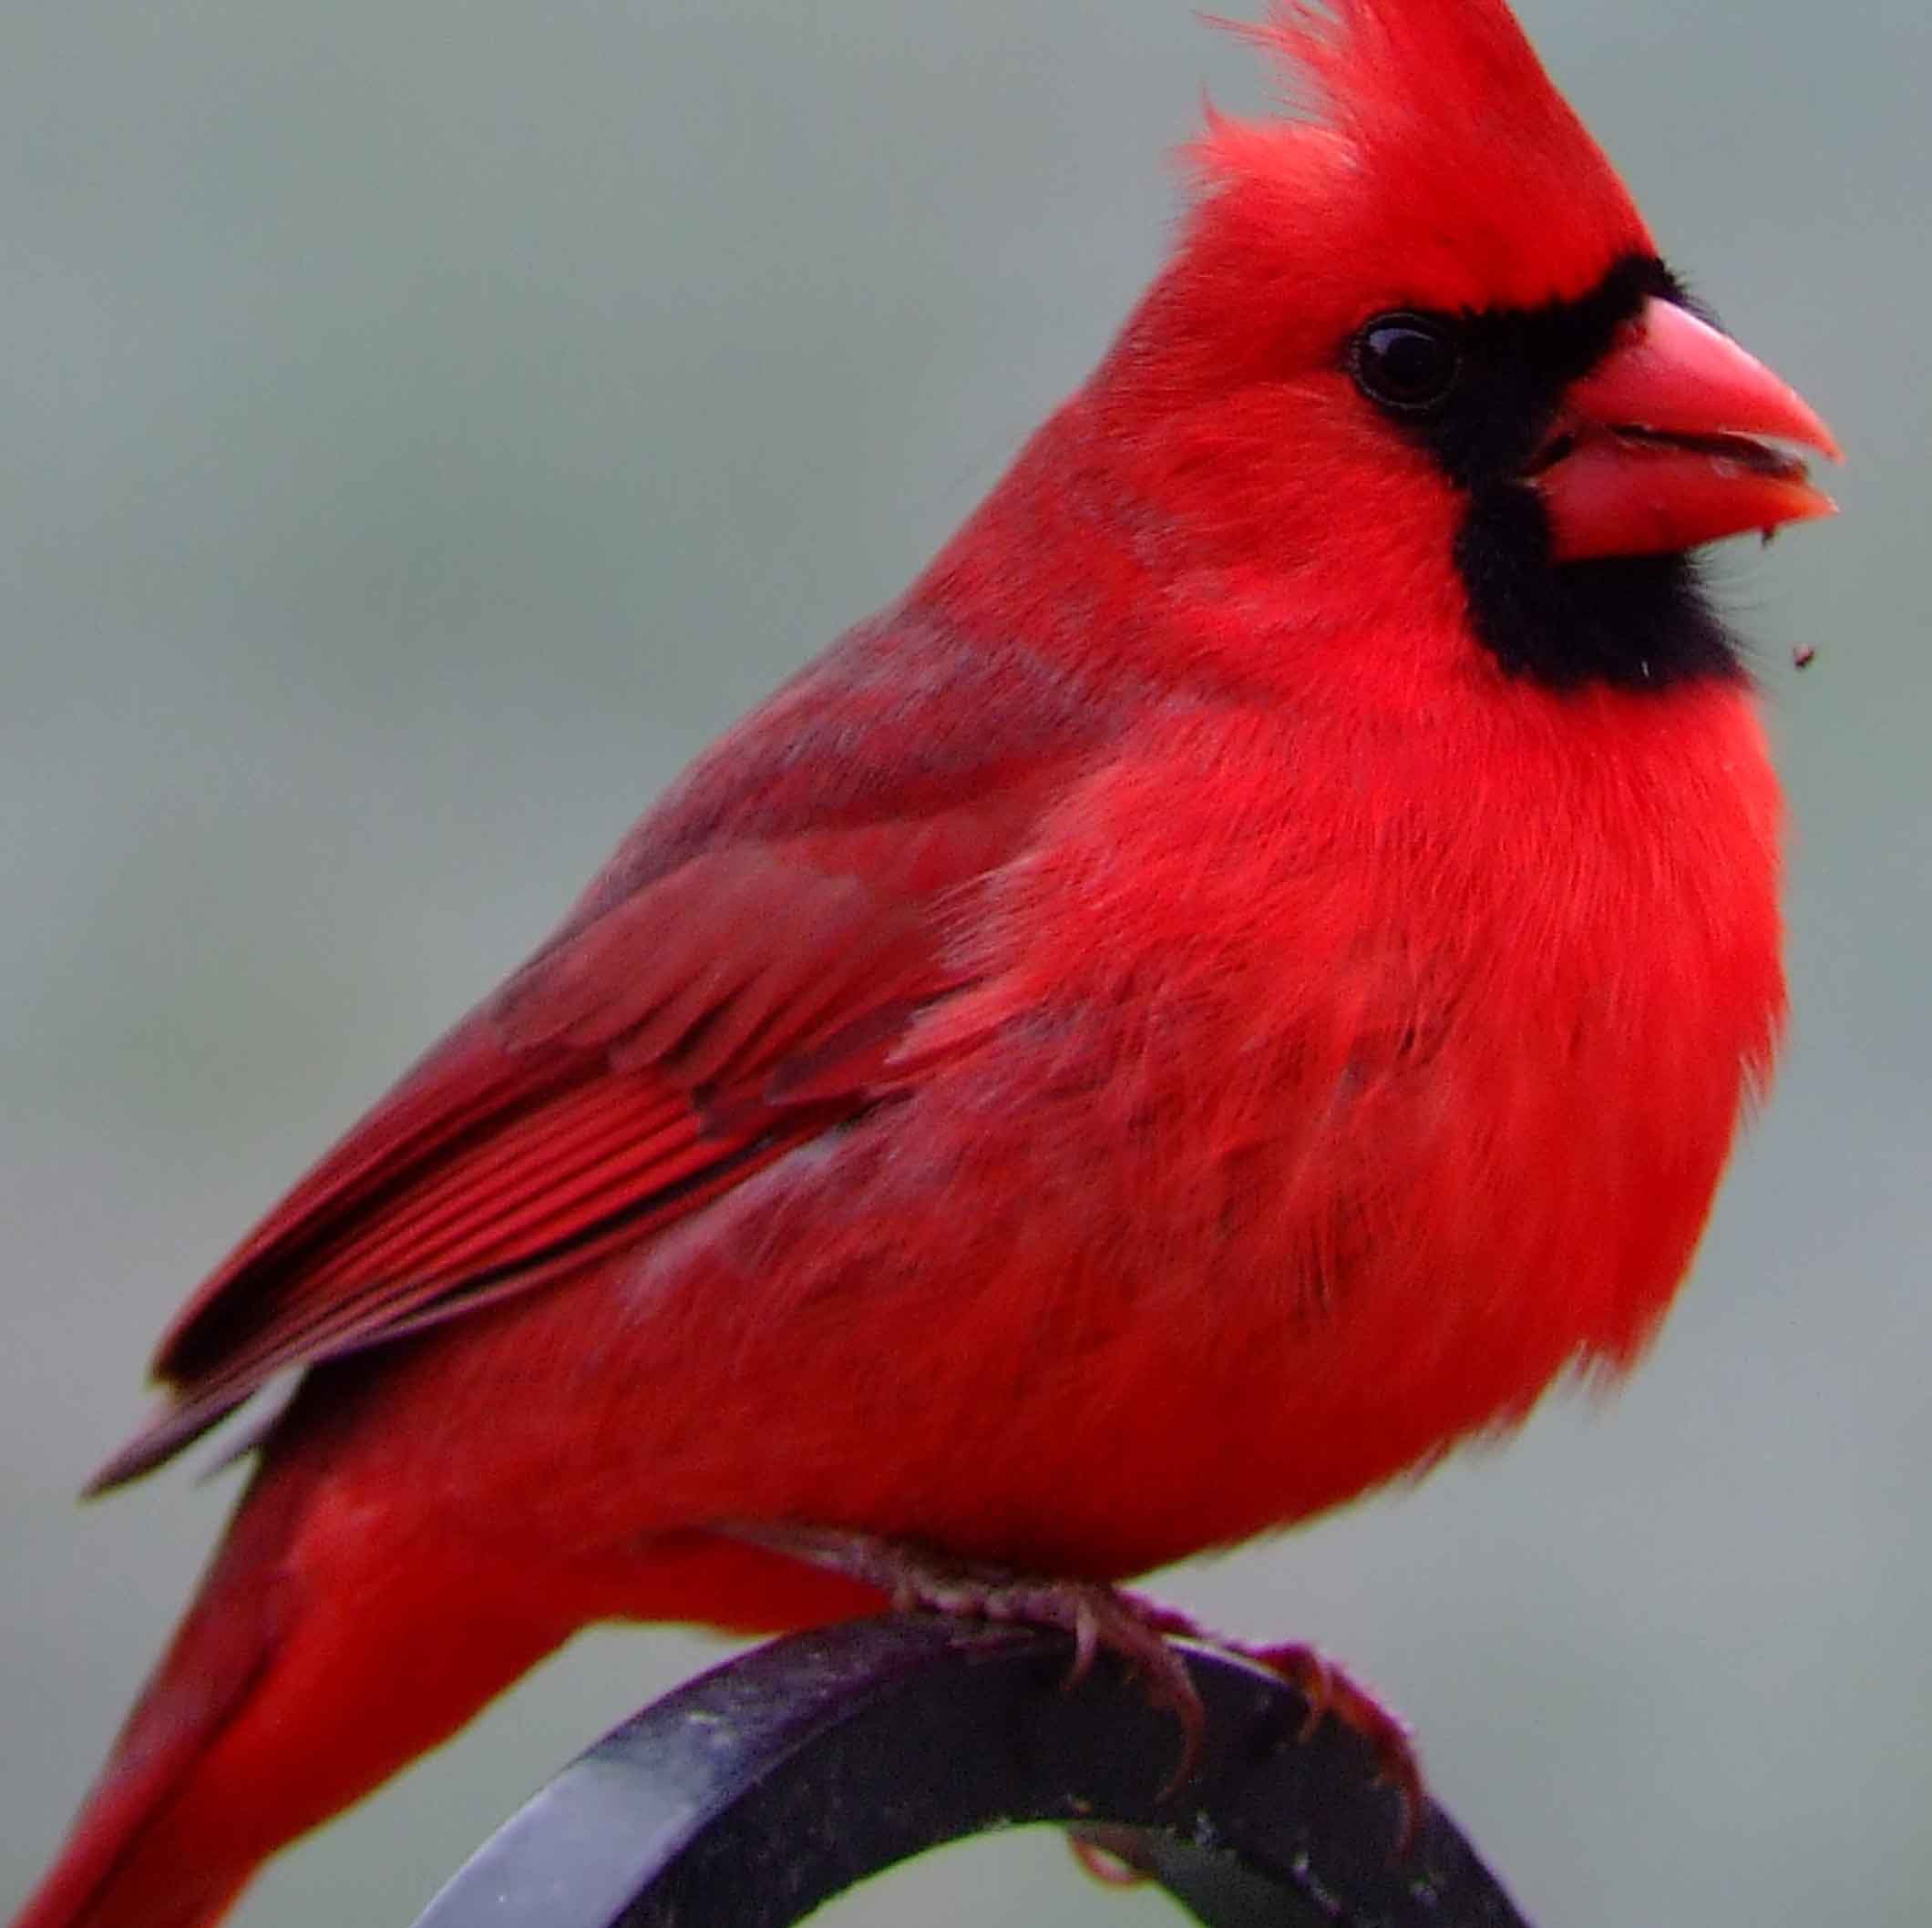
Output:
(1407, 362)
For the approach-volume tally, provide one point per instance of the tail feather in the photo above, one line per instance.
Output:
(217, 1656)
(280, 1702)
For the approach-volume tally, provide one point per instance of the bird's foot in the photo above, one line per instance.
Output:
(1333, 1694)
(1108, 1619)
(1101, 1618)
(1112, 1855)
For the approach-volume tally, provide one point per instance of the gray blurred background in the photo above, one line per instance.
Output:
(424, 424)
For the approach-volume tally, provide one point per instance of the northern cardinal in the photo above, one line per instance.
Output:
(1245, 975)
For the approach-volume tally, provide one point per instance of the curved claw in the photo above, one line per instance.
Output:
(1193, 1718)
(1086, 1644)
(1309, 1674)
(1106, 1855)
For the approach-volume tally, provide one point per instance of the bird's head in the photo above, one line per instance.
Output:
(1417, 350)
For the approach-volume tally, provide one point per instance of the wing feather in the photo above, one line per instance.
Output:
(647, 1061)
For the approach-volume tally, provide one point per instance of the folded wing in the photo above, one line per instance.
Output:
(654, 1056)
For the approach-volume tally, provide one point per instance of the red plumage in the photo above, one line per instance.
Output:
(1160, 1032)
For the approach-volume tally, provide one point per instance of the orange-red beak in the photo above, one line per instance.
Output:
(1658, 449)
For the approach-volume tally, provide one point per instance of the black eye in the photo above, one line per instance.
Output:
(1407, 362)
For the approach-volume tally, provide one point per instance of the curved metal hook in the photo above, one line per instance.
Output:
(758, 1791)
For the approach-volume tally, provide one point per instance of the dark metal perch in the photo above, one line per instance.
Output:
(771, 1783)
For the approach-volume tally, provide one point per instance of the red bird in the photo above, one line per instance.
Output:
(1241, 978)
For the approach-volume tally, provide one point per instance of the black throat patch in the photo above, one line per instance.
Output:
(1638, 622)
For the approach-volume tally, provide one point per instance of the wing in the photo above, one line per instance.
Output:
(703, 1012)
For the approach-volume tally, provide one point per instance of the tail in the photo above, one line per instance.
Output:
(317, 1660)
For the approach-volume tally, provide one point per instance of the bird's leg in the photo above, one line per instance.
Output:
(1103, 1618)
